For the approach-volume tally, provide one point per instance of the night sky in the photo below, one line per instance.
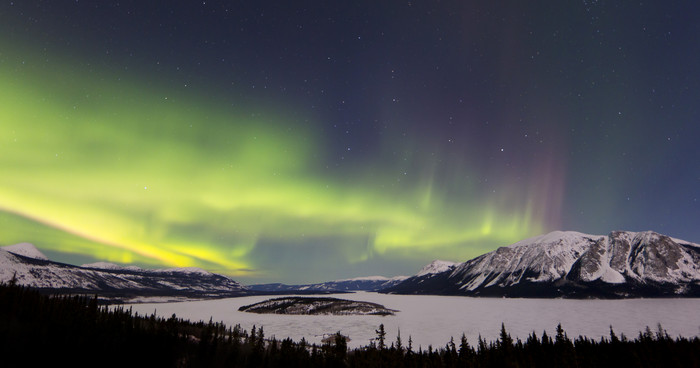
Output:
(304, 141)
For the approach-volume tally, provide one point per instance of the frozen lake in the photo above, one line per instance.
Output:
(432, 320)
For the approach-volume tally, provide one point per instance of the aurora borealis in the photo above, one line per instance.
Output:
(309, 141)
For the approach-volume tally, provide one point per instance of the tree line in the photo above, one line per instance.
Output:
(41, 330)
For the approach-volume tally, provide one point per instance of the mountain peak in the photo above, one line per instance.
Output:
(571, 264)
(25, 249)
(185, 270)
(110, 266)
(561, 237)
(110, 280)
(365, 278)
(436, 266)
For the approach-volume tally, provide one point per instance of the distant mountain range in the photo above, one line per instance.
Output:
(371, 283)
(559, 264)
(115, 283)
(570, 264)
(112, 282)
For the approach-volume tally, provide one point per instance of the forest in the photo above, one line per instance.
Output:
(43, 330)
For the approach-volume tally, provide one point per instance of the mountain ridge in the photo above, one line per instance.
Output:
(568, 264)
(112, 282)
(366, 283)
(572, 264)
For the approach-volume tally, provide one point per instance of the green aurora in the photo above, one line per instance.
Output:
(122, 170)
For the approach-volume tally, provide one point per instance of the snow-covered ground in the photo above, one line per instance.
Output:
(432, 320)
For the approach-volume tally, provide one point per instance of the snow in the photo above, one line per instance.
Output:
(550, 256)
(101, 275)
(475, 283)
(316, 306)
(25, 249)
(162, 299)
(681, 241)
(436, 266)
(112, 266)
(432, 320)
(365, 278)
(398, 278)
(103, 266)
(561, 237)
(686, 268)
(616, 258)
(353, 284)
(7, 262)
(612, 277)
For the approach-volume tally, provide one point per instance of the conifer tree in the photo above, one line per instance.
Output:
(381, 335)
(399, 346)
(505, 339)
(483, 348)
(261, 337)
(341, 346)
(464, 348)
(561, 337)
(545, 339)
(251, 338)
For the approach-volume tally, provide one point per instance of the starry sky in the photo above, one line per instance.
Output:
(305, 141)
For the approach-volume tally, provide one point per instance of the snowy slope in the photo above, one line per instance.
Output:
(645, 257)
(110, 266)
(543, 258)
(25, 249)
(573, 264)
(436, 266)
(109, 279)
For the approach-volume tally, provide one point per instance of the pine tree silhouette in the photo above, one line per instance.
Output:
(381, 335)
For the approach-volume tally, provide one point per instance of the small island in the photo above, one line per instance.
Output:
(316, 306)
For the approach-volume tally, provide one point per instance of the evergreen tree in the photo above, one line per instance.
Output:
(483, 348)
(251, 337)
(260, 342)
(399, 345)
(464, 348)
(613, 337)
(381, 335)
(505, 340)
(561, 337)
(545, 339)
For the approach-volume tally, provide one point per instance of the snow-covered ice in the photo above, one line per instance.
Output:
(432, 320)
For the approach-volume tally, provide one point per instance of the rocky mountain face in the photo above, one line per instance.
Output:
(570, 264)
(29, 267)
(371, 283)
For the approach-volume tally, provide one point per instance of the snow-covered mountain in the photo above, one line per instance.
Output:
(571, 264)
(31, 268)
(370, 283)
(110, 266)
(436, 266)
(25, 249)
